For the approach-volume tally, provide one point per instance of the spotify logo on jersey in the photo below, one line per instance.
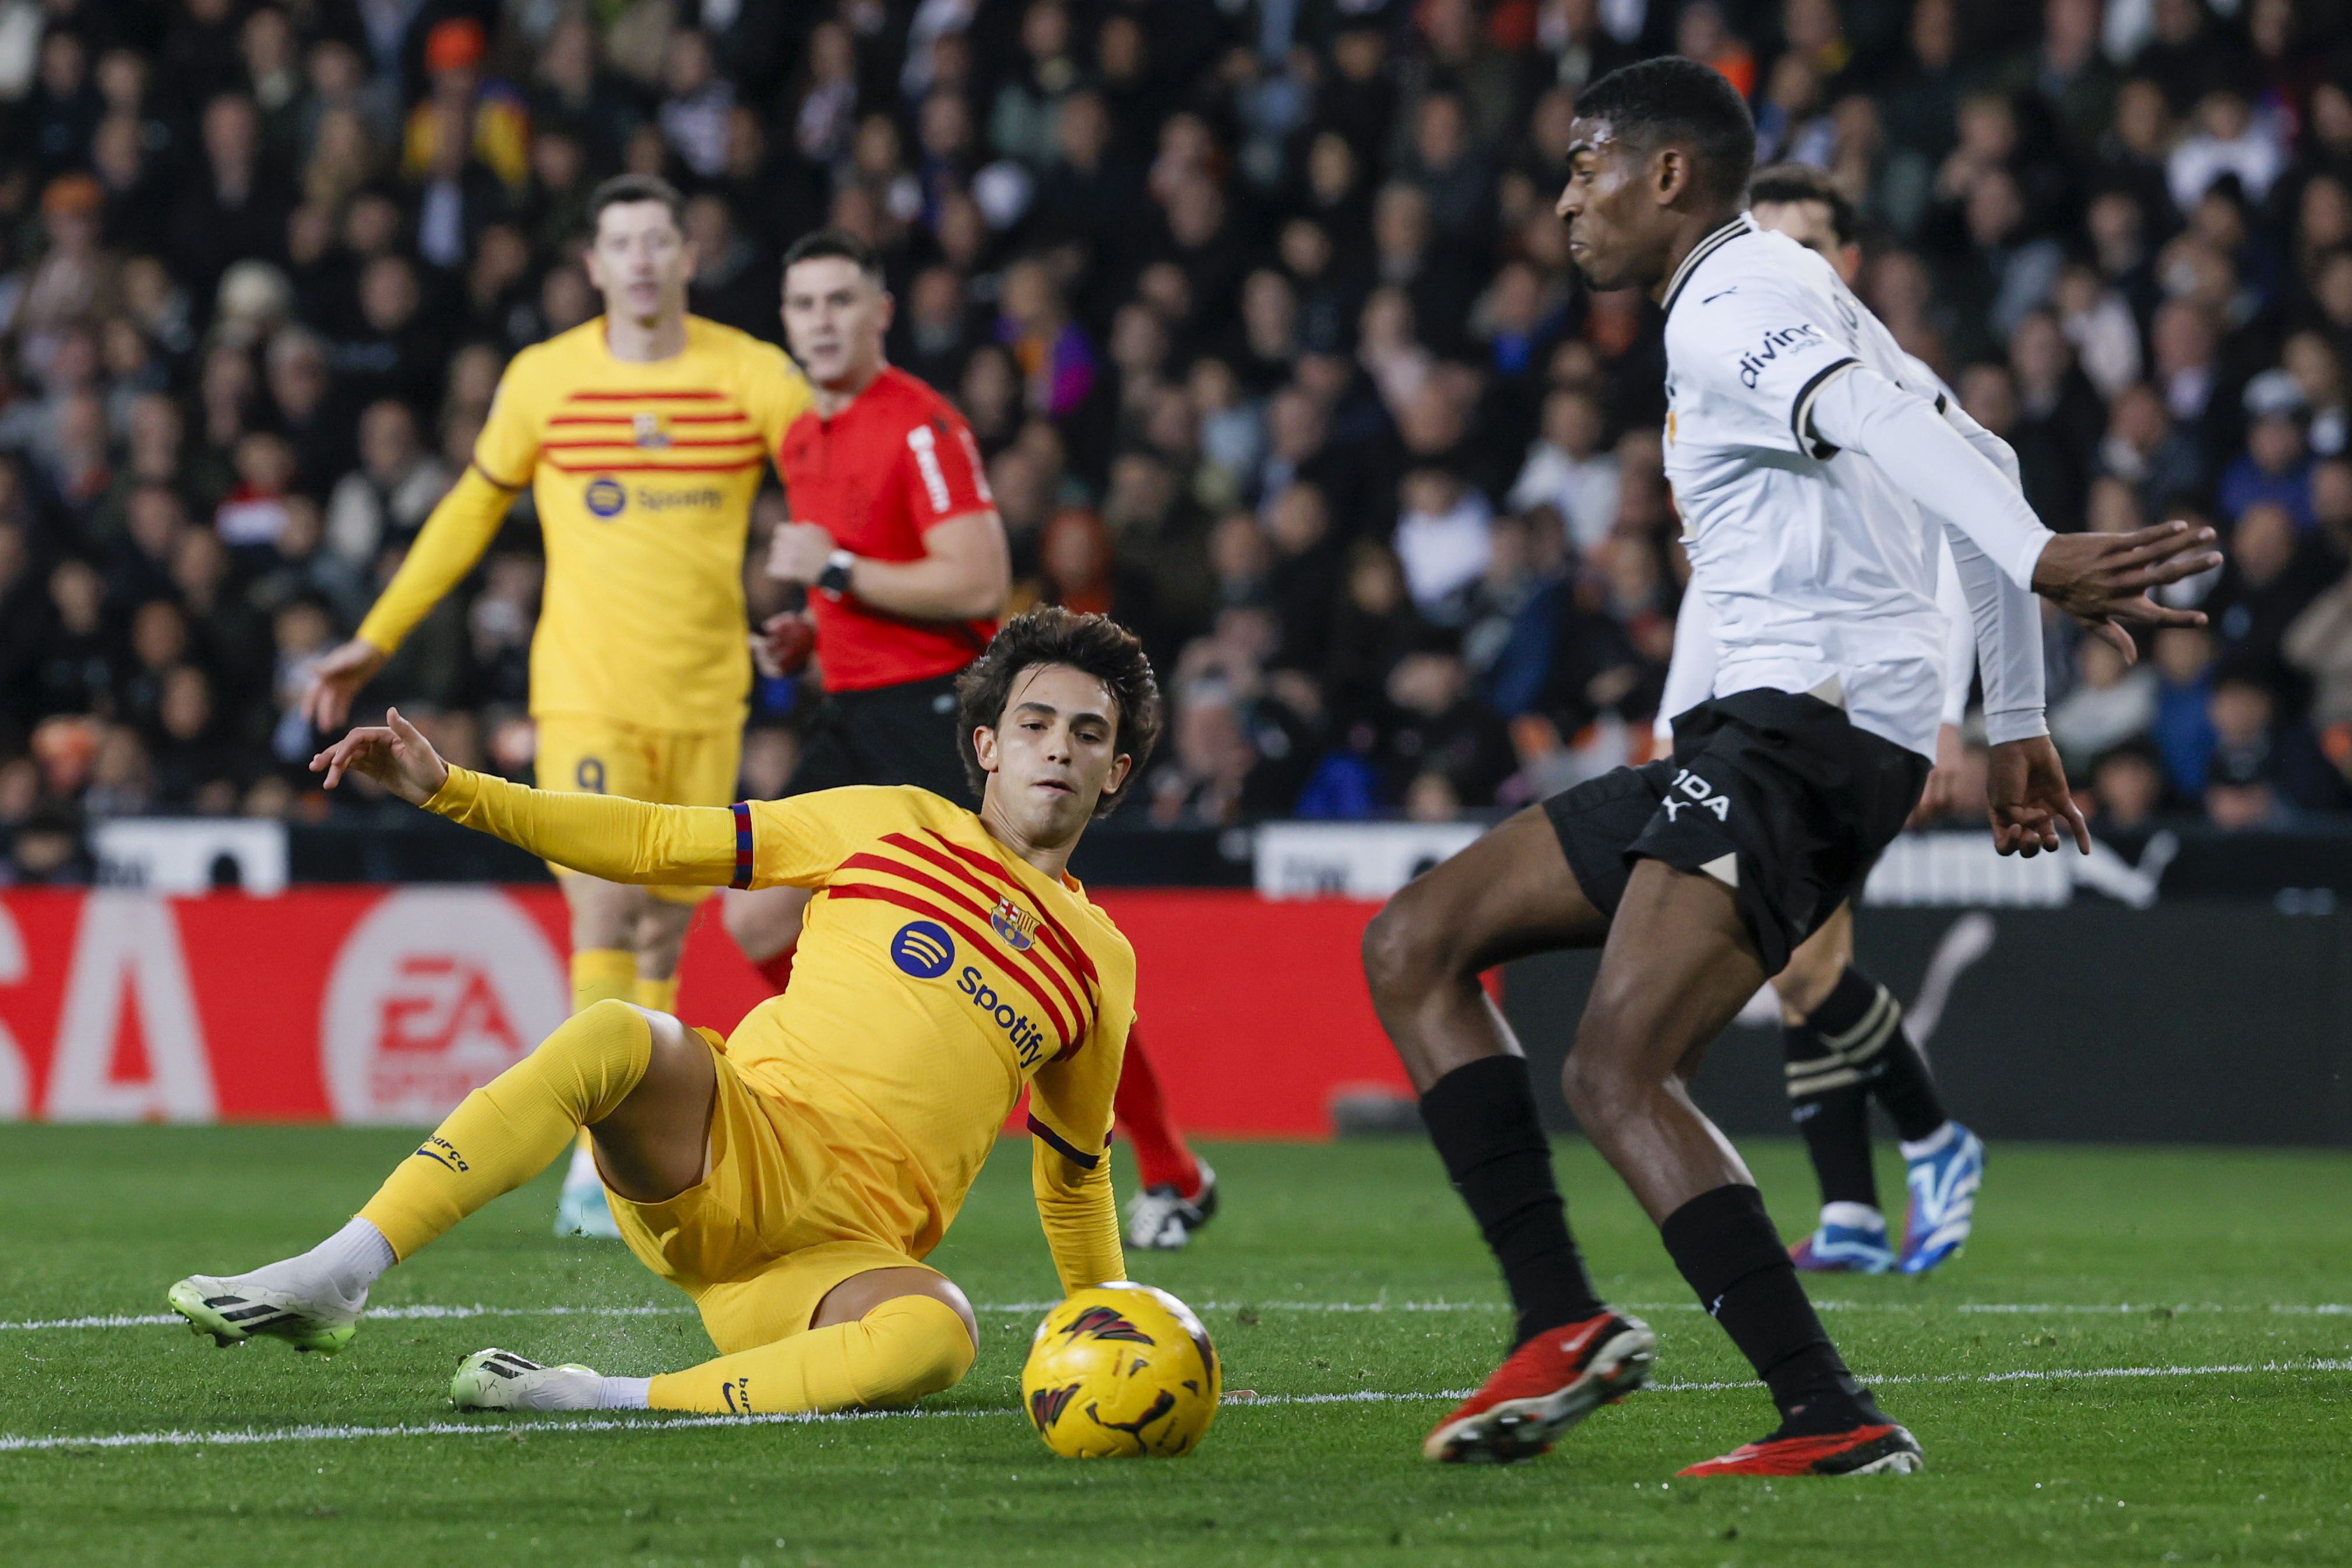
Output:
(923, 950)
(605, 497)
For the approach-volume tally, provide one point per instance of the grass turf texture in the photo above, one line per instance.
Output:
(2247, 1467)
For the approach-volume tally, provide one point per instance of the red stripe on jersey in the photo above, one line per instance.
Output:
(924, 906)
(628, 419)
(1057, 941)
(629, 442)
(1068, 951)
(885, 864)
(644, 396)
(657, 468)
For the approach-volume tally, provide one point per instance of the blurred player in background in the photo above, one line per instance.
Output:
(642, 434)
(1842, 1031)
(792, 1178)
(899, 544)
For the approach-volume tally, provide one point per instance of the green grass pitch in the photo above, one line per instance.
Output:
(2144, 1358)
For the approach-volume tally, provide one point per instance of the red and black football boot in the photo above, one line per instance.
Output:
(1872, 1447)
(1543, 1388)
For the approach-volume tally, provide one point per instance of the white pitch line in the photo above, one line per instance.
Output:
(454, 1312)
(322, 1433)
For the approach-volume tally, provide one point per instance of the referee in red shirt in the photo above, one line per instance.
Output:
(896, 537)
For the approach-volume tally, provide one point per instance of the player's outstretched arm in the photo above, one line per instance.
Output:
(1069, 1170)
(600, 835)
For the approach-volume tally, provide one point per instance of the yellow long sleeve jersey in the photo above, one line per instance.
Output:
(936, 975)
(643, 476)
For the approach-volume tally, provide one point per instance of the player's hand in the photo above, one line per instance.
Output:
(2026, 796)
(2103, 578)
(1941, 795)
(337, 680)
(393, 754)
(2112, 634)
(797, 551)
(783, 644)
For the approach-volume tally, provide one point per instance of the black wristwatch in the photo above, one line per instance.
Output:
(834, 580)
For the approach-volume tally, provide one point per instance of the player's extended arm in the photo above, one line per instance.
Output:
(1080, 1214)
(2094, 577)
(602, 835)
(1071, 1175)
(445, 549)
(453, 539)
(964, 574)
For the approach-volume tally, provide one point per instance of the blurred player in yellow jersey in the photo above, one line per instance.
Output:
(792, 1178)
(643, 435)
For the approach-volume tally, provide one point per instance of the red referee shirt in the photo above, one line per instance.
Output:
(897, 461)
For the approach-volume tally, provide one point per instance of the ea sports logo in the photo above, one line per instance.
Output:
(605, 497)
(434, 993)
(923, 950)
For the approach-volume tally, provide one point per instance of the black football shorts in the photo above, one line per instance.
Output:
(1776, 794)
(904, 734)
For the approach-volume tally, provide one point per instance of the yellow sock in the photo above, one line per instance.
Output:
(907, 1347)
(603, 974)
(506, 1132)
(661, 995)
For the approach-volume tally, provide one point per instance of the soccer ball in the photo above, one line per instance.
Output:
(1121, 1370)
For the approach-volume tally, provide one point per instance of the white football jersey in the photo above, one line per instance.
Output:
(1820, 573)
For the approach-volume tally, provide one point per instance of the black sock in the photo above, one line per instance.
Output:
(1724, 1245)
(1904, 1086)
(1830, 1106)
(1482, 1117)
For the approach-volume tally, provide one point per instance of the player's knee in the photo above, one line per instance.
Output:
(927, 1344)
(1403, 948)
(1807, 982)
(1603, 1073)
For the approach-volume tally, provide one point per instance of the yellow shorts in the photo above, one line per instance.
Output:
(781, 1216)
(590, 756)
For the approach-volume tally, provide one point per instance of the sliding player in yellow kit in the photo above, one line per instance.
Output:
(643, 435)
(792, 1178)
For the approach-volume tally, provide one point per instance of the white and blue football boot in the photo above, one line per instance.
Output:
(1851, 1240)
(1946, 1170)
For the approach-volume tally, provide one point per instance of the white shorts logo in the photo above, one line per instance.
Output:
(434, 993)
(1700, 793)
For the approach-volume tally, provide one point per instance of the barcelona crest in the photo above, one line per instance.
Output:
(1014, 924)
(649, 431)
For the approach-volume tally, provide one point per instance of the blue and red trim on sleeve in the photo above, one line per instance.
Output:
(743, 845)
(1061, 1145)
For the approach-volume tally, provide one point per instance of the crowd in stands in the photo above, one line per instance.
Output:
(1258, 308)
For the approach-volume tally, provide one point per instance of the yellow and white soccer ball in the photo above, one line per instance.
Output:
(1121, 1370)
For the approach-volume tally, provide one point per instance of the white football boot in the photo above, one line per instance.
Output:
(275, 1300)
(501, 1380)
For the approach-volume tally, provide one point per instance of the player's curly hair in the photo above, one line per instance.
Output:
(1050, 634)
(1670, 98)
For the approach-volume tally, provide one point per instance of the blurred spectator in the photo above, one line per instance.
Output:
(390, 494)
(2110, 703)
(2263, 771)
(2127, 790)
(2184, 728)
(1569, 469)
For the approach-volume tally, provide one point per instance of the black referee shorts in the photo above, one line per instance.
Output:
(1778, 794)
(886, 734)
